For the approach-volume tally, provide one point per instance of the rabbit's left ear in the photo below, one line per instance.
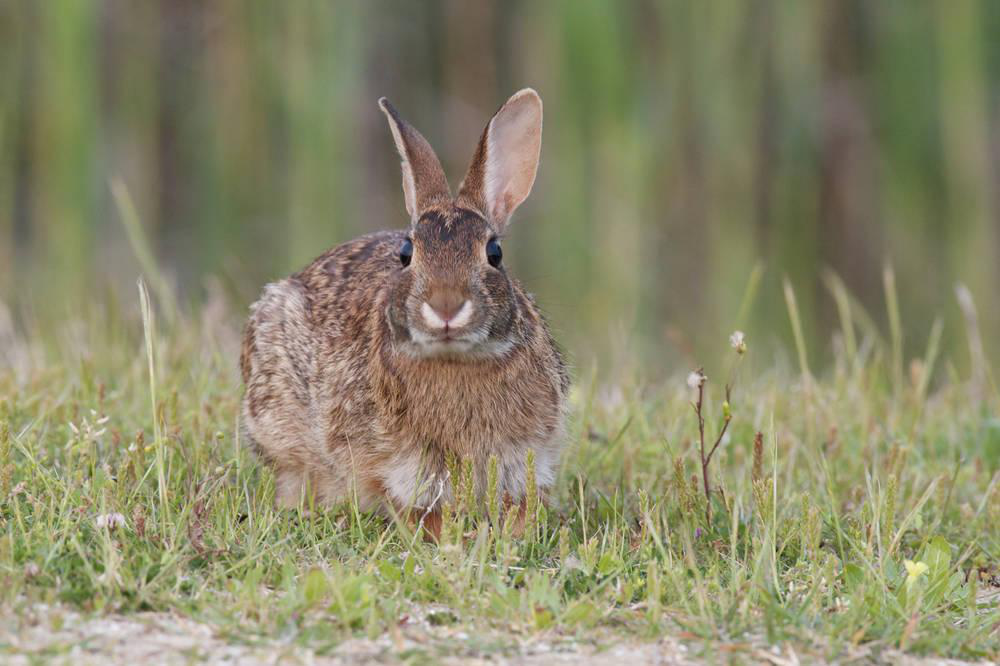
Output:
(506, 160)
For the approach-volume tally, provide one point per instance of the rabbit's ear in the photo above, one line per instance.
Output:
(506, 160)
(424, 183)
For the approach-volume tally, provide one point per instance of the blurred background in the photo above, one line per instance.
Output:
(690, 148)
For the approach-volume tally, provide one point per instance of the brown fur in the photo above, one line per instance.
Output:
(349, 392)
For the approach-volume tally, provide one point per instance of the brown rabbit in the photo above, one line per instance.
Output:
(365, 371)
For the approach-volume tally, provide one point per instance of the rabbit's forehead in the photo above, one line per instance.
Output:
(452, 229)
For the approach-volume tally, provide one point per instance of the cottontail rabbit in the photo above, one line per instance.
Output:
(388, 354)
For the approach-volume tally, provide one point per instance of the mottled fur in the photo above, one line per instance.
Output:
(352, 386)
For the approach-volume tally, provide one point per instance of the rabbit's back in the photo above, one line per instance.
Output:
(304, 359)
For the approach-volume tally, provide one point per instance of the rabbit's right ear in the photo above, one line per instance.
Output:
(424, 182)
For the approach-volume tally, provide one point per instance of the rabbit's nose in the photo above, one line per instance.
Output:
(446, 308)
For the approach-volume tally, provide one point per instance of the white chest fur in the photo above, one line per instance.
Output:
(410, 480)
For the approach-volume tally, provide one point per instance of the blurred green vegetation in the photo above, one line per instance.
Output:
(685, 144)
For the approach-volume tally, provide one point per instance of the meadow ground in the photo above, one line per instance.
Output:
(863, 523)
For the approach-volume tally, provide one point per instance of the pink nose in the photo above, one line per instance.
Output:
(447, 309)
(446, 302)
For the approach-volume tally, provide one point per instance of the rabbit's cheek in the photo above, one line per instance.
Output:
(498, 303)
(397, 325)
(398, 311)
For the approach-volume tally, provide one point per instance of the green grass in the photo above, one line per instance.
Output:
(861, 469)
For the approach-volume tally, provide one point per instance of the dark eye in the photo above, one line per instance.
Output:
(406, 252)
(494, 254)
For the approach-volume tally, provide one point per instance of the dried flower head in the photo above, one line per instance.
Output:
(139, 521)
(88, 431)
(696, 379)
(110, 521)
(738, 341)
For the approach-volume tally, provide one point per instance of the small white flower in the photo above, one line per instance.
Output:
(110, 521)
(696, 379)
(738, 341)
(87, 432)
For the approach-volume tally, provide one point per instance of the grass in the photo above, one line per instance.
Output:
(862, 521)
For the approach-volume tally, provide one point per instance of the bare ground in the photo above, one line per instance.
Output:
(59, 635)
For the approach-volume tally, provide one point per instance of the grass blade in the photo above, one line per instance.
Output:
(895, 326)
(148, 326)
(142, 248)
(800, 340)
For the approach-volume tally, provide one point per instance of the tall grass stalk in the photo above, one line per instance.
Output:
(927, 367)
(895, 325)
(149, 332)
(838, 290)
(142, 249)
(800, 340)
(980, 368)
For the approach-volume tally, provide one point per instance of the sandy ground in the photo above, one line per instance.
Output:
(59, 635)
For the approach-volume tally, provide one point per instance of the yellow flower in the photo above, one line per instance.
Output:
(914, 570)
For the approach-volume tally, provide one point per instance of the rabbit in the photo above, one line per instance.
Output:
(366, 371)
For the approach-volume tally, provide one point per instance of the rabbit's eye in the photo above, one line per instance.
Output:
(406, 252)
(494, 254)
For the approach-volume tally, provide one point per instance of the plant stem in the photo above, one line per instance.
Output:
(706, 460)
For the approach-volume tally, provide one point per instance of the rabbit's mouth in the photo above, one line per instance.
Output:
(447, 342)
(461, 344)
(448, 332)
